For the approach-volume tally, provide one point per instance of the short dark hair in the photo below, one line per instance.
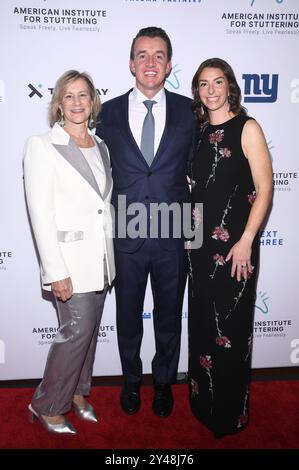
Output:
(234, 90)
(153, 32)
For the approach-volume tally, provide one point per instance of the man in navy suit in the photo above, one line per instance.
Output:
(149, 183)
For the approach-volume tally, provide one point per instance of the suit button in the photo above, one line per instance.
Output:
(150, 173)
(146, 198)
(100, 211)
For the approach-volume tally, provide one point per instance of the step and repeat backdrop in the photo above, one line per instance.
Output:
(40, 40)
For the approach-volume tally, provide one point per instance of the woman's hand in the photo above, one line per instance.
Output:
(241, 258)
(63, 290)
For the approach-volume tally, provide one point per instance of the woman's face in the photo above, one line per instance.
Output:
(213, 88)
(76, 102)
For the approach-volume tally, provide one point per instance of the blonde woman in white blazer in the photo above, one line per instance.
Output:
(68, 188)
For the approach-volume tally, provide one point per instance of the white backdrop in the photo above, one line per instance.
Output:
(40, 40)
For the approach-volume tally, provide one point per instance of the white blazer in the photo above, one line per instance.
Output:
(71, 219)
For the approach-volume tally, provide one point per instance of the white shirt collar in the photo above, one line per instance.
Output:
(137, 97)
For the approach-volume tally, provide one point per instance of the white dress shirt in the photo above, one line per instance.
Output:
(138, 111)
(94, 160)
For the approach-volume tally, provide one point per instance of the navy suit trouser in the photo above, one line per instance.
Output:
(168, 272)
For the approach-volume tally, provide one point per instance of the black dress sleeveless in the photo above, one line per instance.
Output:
(221, 308)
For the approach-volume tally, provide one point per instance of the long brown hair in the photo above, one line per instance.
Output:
(234, 90)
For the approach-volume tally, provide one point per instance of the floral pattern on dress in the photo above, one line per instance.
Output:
(249, 347)
(219, 152)
(221, 340)
(242, 420)
(207, 364)
(237, 297)
(196, 218)
(243, 417)
(220, 232)
(190, 269)
(194, 387)
(219, 261)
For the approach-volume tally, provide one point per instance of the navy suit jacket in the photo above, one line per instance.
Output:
(165, 180)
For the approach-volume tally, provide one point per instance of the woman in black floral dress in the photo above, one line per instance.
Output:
(232, 177)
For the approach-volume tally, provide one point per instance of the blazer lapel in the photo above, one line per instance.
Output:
(106, 164)
(72, 154)
(74, 157)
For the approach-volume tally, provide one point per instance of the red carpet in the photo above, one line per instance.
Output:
(274, 422)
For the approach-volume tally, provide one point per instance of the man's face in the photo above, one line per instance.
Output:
(150, 65)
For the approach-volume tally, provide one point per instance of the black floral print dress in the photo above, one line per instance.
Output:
(221, 308)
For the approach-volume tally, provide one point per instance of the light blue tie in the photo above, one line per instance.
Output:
(147, 144)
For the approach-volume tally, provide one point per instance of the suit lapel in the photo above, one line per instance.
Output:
(124, 126)
(172, 117)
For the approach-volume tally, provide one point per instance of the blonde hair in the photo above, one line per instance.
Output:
(69, 77)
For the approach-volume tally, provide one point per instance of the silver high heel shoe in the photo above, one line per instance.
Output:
(62, 428)
(87, 412)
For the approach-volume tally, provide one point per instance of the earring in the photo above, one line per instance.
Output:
(91, 122)
(61, 119)
(228, 103)
(201, 110)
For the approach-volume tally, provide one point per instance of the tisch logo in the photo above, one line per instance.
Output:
(34, 91)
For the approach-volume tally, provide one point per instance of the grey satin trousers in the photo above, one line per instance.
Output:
(68, 370)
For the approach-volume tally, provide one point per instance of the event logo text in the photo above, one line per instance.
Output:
(4, 257)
